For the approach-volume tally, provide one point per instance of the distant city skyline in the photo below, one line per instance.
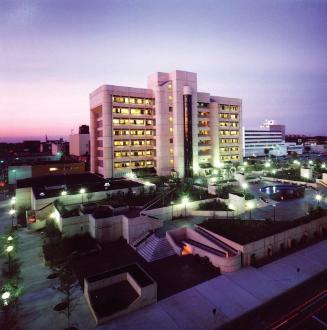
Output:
(54, 53)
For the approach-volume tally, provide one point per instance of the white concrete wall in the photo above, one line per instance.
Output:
(79, 144)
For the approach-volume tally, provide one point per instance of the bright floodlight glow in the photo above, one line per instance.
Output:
(274, 171)
(185, 200)
(310, 162)
(10, 238)
(82, 191)
(147, 183)
(214, 172)
(9, 248)
(64, 193)
(5, 295)
(12, 212)
(245, 185)
(323, 165)
(245, 163)
(220, 165)
(53, 215)
(318, 197)
(250, 205)
(267, 164)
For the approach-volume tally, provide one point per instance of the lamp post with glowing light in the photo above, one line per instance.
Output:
(250, 206)
(12, 212)
(185, 200)
(318, 198)
(9, 249)
(82, 192)
(245, 186)
(274, 208)
(5, 298)
(172, 209)
(64, 193)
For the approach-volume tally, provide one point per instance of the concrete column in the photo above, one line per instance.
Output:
(107, 136)
(93, 142)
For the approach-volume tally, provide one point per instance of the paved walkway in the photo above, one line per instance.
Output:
(39, 296)
(231, 294)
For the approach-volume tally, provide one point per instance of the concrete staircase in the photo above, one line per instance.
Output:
(155, 248)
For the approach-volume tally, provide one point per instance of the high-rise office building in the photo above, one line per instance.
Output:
(169, 126)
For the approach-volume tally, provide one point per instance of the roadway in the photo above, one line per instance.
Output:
(311, 314)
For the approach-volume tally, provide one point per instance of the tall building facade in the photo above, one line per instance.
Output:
(169, 126)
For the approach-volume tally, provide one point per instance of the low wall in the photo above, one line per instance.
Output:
(112, 228)
(176, 210)
(299, 183)
(225, 264)
(146, 294)
(275, 243)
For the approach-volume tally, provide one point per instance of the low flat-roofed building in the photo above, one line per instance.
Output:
(32, 169)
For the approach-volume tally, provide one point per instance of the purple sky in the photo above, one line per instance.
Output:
(272, 54)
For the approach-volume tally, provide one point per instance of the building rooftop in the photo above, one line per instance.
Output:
(247, 231)
(43, 162)
(52, 185)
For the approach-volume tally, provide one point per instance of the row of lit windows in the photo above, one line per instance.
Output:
(227, 124)
(228, 141)
(134, 164)
(203, 114)
(229, 107)
(123, 143)
(132, 100)
(203, 132)
(140, 122)
(228, 116)
(228, 132)
(227, 158)
(132, 111)
(136, 153)
(133, 132)
(230, 149)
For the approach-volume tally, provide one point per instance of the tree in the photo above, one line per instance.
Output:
(68, 283)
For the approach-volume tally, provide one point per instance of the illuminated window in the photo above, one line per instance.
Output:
(170, 118)
(53, 169)
(170, 86)
(171, 151)
(170, 98)
(171, 161)
(170, 129)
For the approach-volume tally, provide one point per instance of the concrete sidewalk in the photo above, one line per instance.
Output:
(39, 296)
(231, 294)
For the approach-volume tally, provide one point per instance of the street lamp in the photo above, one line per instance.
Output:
(12, 213)
(323, 165)
(185, 200)
(82, 191)
(64, 193)
(318, 198)
(274, 207)
(172, 209)
(245, 186)
(9, 249)
(13, 201)
(10, 238)
(250, 206)
(5, 297)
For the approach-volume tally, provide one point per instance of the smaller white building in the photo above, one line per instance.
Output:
(79, 144)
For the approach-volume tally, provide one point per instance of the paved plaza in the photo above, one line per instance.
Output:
(285, 210)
